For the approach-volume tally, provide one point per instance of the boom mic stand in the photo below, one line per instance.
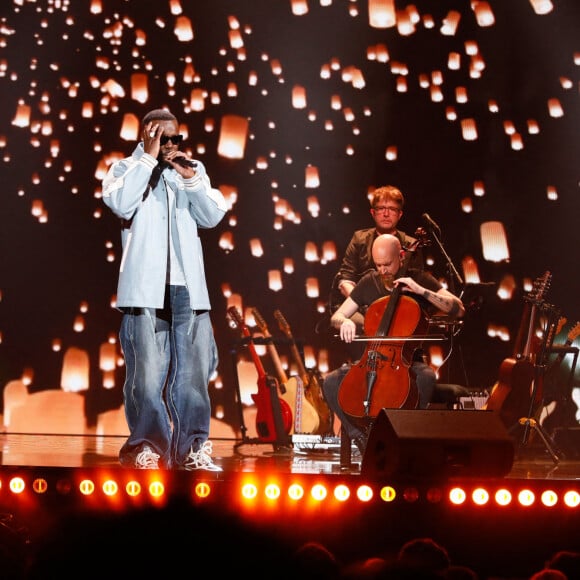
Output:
(453, 274)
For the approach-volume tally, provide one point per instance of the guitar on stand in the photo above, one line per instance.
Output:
(291, 388)
(274, 416)
(313, 391)
(520, 384)
(510, 395)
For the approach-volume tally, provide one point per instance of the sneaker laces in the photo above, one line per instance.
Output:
(201, 459)
(147, 459)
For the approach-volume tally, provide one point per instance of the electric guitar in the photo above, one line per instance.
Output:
(313, 391)
(274, 416)
(291, 389)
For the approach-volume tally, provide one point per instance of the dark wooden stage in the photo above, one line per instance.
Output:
(306, 454)
(365, 512)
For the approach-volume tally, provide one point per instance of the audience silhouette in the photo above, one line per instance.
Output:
(153, 542)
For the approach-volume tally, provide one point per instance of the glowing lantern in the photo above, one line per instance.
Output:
(299, 7)
(256, 248)
(130, 127)
(139, 90)
(311, 252)
(233, 136)
(542, 6)
(483, 14)
(469, 129)
(494, 242)
(312, 290)
(299, 97)
(382, 13)
(275, 280)
(183, 29)
(450, 23)
(22, 117)
(470, 271)
(197, 100)
(75, 371)
(107, 356)
(312, 178)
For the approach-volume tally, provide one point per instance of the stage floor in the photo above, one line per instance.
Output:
(306, 454)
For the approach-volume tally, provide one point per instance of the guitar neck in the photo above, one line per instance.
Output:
(284, 326)
(273, 351)
(239, 322)
(256, 358)
(299, 362)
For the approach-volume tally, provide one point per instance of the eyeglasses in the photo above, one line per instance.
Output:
(386, 209)
(175, 139)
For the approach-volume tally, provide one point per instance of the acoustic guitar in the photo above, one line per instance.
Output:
(313, 390)
(512, 394)
(291, 388)
(274, 416)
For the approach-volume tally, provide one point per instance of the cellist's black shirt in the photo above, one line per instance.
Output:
(370, 288)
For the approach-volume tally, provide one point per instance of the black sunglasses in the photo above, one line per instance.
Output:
(175, 139)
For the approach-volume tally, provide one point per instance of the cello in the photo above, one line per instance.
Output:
(381, 377)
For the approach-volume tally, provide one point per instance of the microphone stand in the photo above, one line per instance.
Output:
(453, 273)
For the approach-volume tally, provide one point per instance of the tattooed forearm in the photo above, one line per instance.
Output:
(445, 304)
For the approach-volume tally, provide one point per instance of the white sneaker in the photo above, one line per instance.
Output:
(201, 459)
(147, 459)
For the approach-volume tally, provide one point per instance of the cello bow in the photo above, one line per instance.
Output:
(381, 377)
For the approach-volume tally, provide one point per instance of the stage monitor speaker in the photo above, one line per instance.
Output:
(437, 443)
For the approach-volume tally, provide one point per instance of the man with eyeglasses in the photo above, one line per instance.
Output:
(386, 210)
(162, 198)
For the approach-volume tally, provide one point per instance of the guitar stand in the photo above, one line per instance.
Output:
(530, 423)
(278, 446)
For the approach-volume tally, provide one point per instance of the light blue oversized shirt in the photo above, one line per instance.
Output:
(143, 270)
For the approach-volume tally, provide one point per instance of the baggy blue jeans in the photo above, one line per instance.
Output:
(170, 356)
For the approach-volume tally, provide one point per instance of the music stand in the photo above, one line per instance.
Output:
(473, 295)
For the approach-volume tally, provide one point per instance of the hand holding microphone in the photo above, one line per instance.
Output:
(184, 162)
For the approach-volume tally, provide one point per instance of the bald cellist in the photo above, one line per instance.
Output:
(417, 290)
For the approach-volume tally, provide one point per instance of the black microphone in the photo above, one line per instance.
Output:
(431, 223)
(184, 162)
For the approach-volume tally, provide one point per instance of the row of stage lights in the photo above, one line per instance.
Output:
(250, 491)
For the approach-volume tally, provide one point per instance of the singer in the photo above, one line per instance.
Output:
(163, 199)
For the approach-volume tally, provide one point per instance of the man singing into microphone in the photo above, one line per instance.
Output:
(163, 198)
